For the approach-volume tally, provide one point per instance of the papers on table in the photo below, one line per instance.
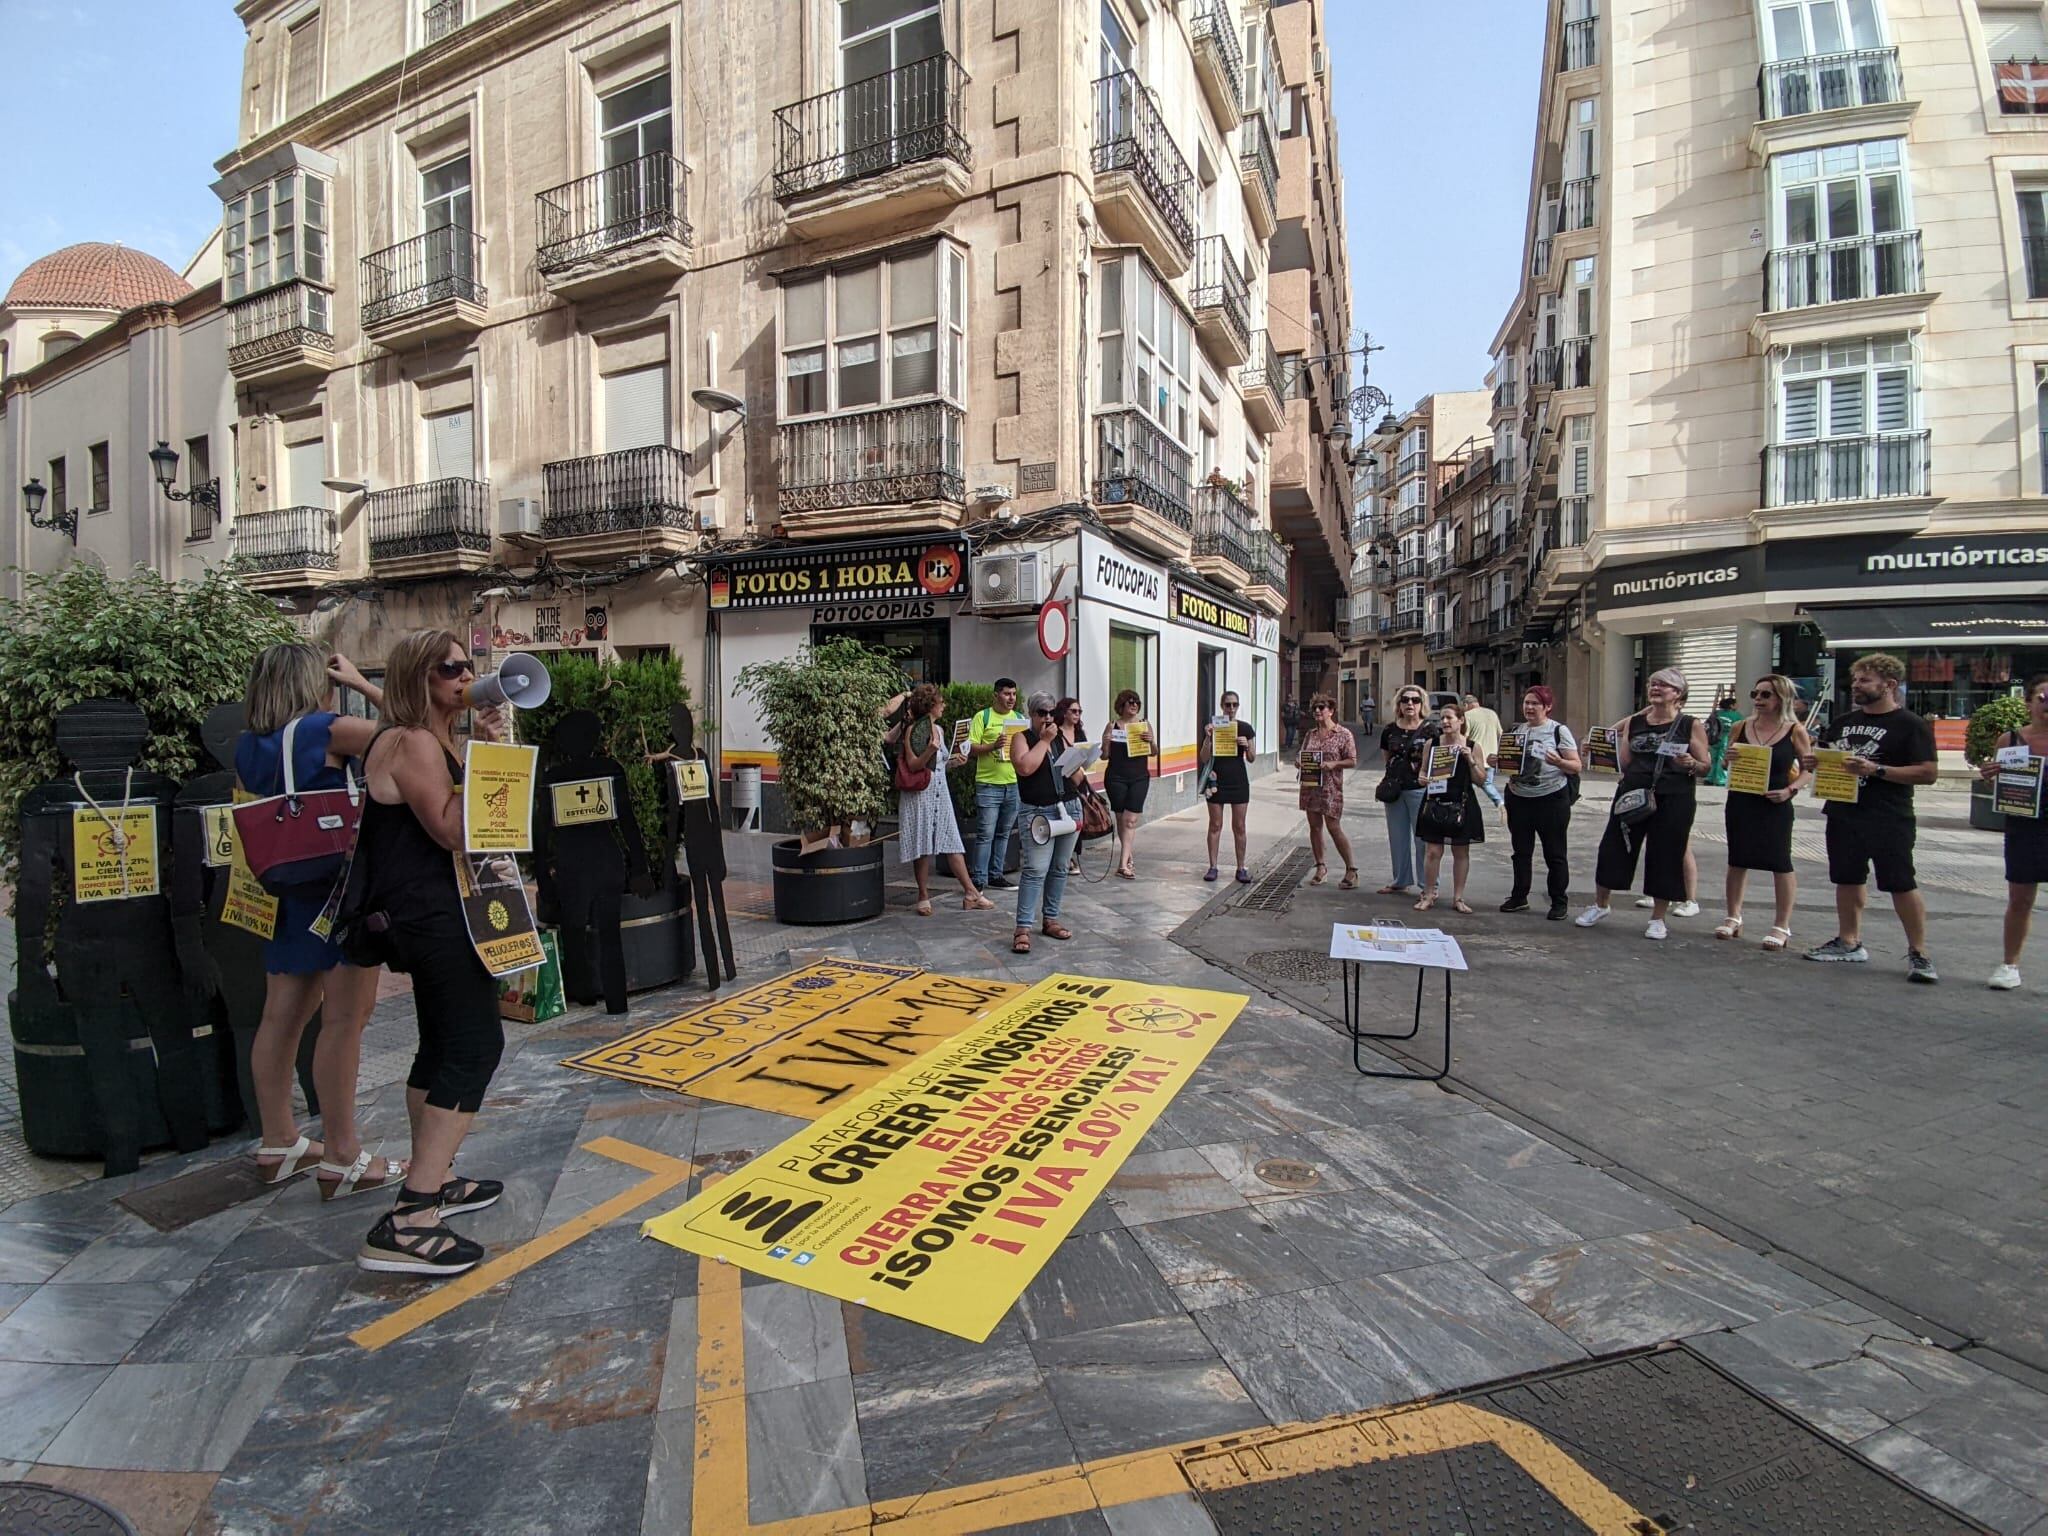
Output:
(1394, 945)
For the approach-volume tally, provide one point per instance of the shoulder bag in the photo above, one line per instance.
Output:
(299, 839)
(910, 780)
(1633, 807)
(1096, 820)
(1444, 814)
(1390, 788)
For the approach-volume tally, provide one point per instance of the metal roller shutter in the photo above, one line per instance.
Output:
(1705, 656)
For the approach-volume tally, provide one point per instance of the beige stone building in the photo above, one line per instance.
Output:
(671, 326)
(1772, 380)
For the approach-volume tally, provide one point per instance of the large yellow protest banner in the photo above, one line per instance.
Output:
(937, 1194)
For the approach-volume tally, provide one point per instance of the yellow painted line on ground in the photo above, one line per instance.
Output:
(718, 1482)
(665, 1173)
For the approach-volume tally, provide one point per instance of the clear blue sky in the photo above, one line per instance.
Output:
(119, 108)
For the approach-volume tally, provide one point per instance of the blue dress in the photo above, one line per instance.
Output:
(259, 764)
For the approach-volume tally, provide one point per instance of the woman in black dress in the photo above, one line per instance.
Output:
(1451, 817)
(2026, 839)
(1127, 778)
(1760, 825)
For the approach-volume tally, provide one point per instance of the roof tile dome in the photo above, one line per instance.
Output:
(95, 275)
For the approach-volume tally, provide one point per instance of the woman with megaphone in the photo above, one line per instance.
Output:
(404, 909)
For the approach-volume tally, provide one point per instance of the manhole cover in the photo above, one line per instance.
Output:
(1286, 1173)
(1293, 964)
(36, 1509)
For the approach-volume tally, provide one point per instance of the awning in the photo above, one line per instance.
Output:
(1987, 621)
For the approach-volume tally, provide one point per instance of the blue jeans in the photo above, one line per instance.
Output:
(1402, 845)
(1043, 879)
(1491, 790)
(995, 819)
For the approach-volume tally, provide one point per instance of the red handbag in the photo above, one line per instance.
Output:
(909, 780)
(295, 840)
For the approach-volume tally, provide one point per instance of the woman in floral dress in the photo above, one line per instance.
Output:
(1326, 751)
(926, 825)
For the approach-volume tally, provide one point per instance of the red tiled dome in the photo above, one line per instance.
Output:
(95, 276)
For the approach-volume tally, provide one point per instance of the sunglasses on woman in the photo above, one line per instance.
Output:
(1762, 693)
(451, 670)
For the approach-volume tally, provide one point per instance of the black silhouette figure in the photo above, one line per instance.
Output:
(586, 866)
(117, 964)
(694, 823)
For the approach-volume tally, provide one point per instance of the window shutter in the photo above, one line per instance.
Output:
(1802, 411)
(307, 464)
(1846, 416)
(1894, 401)
(451, 446)
(302, 68)
(636, 408)
(2015, 34)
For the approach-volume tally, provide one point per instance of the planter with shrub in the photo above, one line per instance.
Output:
(1989, 723)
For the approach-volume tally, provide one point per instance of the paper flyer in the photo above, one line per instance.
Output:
(1223, 739)
(113, 853)
(1832, 781)
(497, 797)
(1601, 756)
(1749, 769)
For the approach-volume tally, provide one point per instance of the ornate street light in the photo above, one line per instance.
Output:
(163, 459)
(64, 522)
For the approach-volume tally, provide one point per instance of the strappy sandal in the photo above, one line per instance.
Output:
(1778, 937)
(1020, 942)
(338, 1182)
(1317, 877)
(460, 1195)
(293, 1160)
(1428, 901)
(434, 1251)
(977, 903)
(924, 908)
(1127, 874)
(1349, 882)
(1393, 890)
(1730, 928)
(1054, 929)
(1459, 904)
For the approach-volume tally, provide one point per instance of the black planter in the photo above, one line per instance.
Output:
(660, 946)
(1982, 817)
(833, 885)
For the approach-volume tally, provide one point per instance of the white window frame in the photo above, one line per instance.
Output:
(1808, 170)
(636, 126)
(1866, 360)
(261, 250)
(1155, 341)
(1582, 140)
(1850, 16)
(948, 325)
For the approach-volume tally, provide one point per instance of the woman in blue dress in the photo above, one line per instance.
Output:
(291, 688)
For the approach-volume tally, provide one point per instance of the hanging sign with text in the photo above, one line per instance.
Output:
(1205, 612)
(840, 574)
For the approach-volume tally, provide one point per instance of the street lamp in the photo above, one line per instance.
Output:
(65, 521)
(163, 459)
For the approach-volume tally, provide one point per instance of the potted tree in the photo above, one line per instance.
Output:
(1989, 723)
(822, 709)
(632, 698)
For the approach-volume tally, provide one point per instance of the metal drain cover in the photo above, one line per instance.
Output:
(1273, 890)
(36, 1509)
(1293, 964)
(1288, 1173)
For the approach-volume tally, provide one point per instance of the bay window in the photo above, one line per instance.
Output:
(1842, 220)
(879, 333)
(1146, 348)
(275, 233)
(1845, 424)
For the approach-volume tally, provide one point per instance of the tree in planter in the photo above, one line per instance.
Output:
(822, 709)
(1989, 724)
(175, 648)
(632, 698)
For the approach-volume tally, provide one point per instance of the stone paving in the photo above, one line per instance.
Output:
(205, 1378)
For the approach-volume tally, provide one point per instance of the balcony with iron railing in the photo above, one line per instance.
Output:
(1219, 58)
(1504, 469)
(1405, 621)
(1504, 395)
(1436, 634)
(632, 501)
(1829, 82)
(1436, 563)
(1221, 301)
(1225, 529)
(442, 18)
(1578, 204)
(425, 288)
(1144, 191)
(1411, 463)
(437, 528)
(897, 469)
(1581, 48)
(281, 333)
(1406, 518)
(1258, 169)
(1840, 271)
(1142, 483)
(1568, 365)
(1408, 568)
(1266, 576)
(1876, 467)
(286, 548)
(625, 224)
(1539, 250)
(890, 145)
(1262, 383)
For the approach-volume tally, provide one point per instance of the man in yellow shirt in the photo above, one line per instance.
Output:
(1482, 727)
(995, 786)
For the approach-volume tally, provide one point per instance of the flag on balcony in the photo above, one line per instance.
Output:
(2022, 85)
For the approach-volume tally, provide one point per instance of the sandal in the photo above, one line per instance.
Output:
(1349, 882)
(1054, 929)
(292, 1161)
(977, 903)
(459, 1195)
(1020, 942)
(1393, 890)
(338, 1182)
(390, 1249)
(924, 906)
(1777, 938)
(1459, 904)
(1127, 874)
(1212, 873)
(1428, 901)
(1317, 877)
(1731, 928)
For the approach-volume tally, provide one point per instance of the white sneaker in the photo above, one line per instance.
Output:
(2004, 979)
(1590, 916)
(1656, 930)
(1644, 903)
(1685, 909)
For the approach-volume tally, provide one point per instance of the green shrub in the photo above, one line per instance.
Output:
(1988, 724)
(632, 698)
(822, 708)
(963, 700)
(175, 648)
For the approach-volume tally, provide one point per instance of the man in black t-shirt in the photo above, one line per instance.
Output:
(1893, 751)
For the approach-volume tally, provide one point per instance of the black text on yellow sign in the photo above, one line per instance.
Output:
(1191, 607)
(246, 904)
(693, 780)
(497, 797)
(581, 802)
(114, 853)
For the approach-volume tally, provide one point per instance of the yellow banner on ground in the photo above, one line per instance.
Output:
(497, 797)
(802, 1042)
(938, 1193)
(1832, 781)
(114, 853)
(1749, 769)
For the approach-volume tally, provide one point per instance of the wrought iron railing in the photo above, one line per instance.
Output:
(1434, 565)
(1137, 464)
(203, 505)
(1130, 135)
(910, 114)
(1827, 82)
(1256, 155)
(1213, 29)
(1568, 365)
(1436, 637)
(1408, 568)
(1410, 517)
(1411, 464)
(1539, 253)
(621, 204)
(1579, 205)
(1504, 469)
(631, 490)
(1833, 271)
(905, 453)
(1581, 46)
(1868, 468)
(1224, 525)
(279, 319)
(1269, 561)
(1504, 395)
(442, 264)
(1261, 368)
(442, 17)
(1219, 287)
(433, 518)
(287, 539)
(1574, 519)
(1405, 619)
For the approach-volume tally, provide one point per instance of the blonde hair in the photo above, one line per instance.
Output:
(1786, 690)
(406, 698)
(288, 681)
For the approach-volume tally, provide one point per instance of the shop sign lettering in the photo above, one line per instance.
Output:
(1204, 611)
(1108, 575)
(807, 576)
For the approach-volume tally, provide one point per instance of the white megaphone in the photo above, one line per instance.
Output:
(521, 682)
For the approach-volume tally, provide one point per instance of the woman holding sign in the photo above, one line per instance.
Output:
(926, 826)
(1326, 751)
(2019, 757)
(291, 692)
(1404, 748)
(1540, 758)
(1663, 753)
(1127, 779)
(404, 909)
(1764, 773)
(1450, 816)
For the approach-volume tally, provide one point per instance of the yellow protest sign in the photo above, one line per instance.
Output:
(113, 853)
(220, 835)
(497, 797)
(1138, 738)
(499, 917)
(245, 904)
(1223, 740)
(1749, 769)
(1832, 781)
(804, 1040)
(693, 780)
(938, 1193)
(580, 802)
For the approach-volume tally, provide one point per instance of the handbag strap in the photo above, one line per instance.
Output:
(348, 774)
(1671, 735)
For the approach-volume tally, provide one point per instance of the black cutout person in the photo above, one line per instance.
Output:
(588, 856)
(694, 823)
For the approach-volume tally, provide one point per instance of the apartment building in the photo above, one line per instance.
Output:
(689, 327)
(1773, 376)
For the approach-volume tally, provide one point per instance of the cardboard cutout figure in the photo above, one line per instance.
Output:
(98, 846)
(589, 852)
(217, 916)
(689, 792)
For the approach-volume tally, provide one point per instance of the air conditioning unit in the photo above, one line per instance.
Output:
(519, 515)
(1009, 583)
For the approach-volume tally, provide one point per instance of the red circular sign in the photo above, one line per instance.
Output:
(1055, 633)
(938, 572)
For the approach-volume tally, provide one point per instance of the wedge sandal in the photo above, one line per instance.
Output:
(432, 1252)
(338, 1181)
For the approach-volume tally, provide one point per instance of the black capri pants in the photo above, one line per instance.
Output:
(456, 1002)
(1660, 841)
(1127, 794)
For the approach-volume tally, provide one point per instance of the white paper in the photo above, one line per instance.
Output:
(2020, 757)
(1673, 748)
(1077, 757)
(1365, 942)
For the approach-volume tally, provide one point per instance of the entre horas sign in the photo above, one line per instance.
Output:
(844, 573)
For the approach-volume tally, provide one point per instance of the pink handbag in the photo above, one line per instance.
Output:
(297, 840)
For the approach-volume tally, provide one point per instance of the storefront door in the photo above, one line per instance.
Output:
(1209, 683)
(923, 651)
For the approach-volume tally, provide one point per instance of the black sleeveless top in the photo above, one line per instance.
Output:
(1644, 737)
(1783, 758)
(401, 870)
(1041, 788)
